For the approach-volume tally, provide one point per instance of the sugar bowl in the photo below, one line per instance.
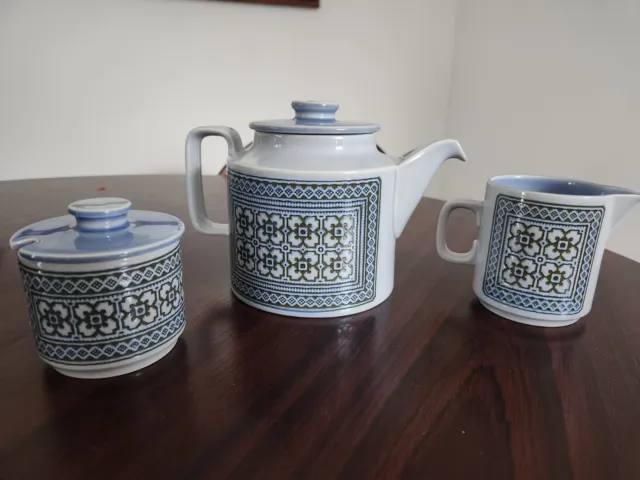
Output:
(103, 287)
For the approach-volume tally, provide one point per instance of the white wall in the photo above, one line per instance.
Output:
(547, 87)
(98, 87)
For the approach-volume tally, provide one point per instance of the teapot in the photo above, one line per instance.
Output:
(314, 210)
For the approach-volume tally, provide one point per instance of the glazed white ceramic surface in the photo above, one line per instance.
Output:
(103, 287)
(314, 209)
(540, 245)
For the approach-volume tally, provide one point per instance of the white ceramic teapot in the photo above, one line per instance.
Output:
(314, 210)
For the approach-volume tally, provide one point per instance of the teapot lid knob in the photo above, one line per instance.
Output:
(314, 118)
(313, 113)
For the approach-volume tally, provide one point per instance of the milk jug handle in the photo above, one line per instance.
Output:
(195, 194)
(441, 233)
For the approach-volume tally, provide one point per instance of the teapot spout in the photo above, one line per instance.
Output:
(413, 174)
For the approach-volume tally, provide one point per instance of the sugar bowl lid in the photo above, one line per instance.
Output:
(314, 118)
(98, 229)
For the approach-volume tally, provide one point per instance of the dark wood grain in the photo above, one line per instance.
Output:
(428, 385)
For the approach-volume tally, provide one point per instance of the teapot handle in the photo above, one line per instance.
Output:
(195, 194)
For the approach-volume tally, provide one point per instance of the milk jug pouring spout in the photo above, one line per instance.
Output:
(622, 204)
(414, 172)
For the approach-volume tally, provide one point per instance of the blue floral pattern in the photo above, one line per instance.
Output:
(540, 255)
(55, 318)
(304, 245)
(101, 317)
(96, 319)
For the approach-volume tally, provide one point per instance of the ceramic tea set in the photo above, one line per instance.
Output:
(314, 213)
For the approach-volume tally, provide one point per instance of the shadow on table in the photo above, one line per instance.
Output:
(117, 416)
(276, 355)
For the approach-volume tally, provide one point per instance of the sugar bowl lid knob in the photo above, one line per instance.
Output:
(100, 214)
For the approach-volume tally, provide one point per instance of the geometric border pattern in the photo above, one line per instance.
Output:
(536, 222)
(101, 317)
(353, 206)
(114, 351)
(93, 283)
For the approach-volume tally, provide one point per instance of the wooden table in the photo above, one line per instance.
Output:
(428, 385)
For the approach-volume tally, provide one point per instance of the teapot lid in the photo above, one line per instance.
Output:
(314, 118)
(98, 229)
